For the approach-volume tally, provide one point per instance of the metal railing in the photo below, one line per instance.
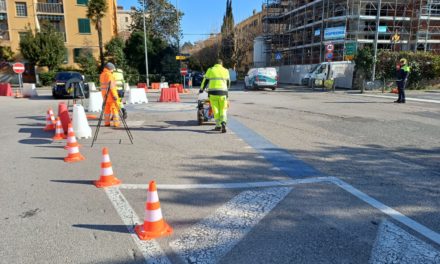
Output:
(50, 8)
(2, 6)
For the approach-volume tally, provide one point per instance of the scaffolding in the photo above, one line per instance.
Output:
(297, 31)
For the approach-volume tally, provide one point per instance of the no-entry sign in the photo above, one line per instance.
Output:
(18, 67)
(183, 71)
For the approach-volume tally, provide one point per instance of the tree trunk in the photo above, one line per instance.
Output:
(101, 51)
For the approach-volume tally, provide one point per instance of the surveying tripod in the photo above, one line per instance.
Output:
(95, 137)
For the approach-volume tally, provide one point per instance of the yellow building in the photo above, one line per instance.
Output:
(67, 16)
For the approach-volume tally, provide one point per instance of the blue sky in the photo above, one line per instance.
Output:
(205, 16)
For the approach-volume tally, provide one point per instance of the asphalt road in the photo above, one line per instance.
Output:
(300, 177)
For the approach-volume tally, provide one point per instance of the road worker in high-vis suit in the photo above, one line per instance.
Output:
(107, 81)
(120, 83)
(218, 81)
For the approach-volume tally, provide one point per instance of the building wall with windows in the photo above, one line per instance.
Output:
(124, 18)
(67, 16)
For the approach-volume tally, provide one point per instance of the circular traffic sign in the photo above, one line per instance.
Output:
(329, 56)
(18, 67)
(330, 47)
(183, 71)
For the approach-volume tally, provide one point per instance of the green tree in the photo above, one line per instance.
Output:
(6, 53)
(44, 48)
(162, 20)
(227, 33)
(114, 52)
(96, 10)
(89, 65)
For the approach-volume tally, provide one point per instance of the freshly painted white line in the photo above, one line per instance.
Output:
(239, 185)
(150, 249)
(389, 211)
(395, 245)
(213, 237)
(248, 147)
(407, 99)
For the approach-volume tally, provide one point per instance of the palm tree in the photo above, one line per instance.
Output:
(96, 10)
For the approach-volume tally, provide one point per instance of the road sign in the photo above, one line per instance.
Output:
(278, 56)
(183, 71)
(18, 67)
(395, 38)
(329, 56)
(330, 47)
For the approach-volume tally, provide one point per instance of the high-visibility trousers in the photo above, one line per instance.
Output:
(111, 113)
(219, 106)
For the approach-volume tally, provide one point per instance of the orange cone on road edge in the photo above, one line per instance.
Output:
(59, 132)
(73, 155)
(50, 121)
(71, 139)
(107, 178)
(154, 226)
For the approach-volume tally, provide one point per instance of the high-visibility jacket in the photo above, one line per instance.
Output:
(107, 80)
(403, 73)
(218, 78)
(119, 78)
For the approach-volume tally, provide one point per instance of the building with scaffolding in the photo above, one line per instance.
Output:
(298, 32)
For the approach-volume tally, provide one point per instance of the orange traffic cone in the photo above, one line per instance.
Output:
(154, 225)
(73, 155)
(50, 121)
(71, 139)
(59, 132)
(107, 178)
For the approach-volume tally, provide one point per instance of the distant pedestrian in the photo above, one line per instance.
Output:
(402, 74)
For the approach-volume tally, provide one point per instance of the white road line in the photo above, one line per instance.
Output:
(150, 249)
(389, 211)
(213, 237)
(238, 185)
(395, 245)
(407, 99)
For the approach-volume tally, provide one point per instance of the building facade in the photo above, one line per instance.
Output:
(124, 18)
(67, 16)
(298, 32)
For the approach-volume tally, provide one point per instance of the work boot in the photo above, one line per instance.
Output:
(223, 127)
(217, 128)
(124, 113)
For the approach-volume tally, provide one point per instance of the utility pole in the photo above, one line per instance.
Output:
(145, 46)
(376, 37)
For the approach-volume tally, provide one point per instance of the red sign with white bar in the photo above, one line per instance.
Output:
(183, 71)
(18, 67)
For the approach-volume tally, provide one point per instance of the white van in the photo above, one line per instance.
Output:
(261, 78)
(340, 71)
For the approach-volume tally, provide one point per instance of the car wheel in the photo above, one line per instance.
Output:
(273, 88)
(200, 117)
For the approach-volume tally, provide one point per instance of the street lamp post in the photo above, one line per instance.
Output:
(145, 46)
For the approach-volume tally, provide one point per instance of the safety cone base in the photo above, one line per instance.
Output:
(67, 146)
(58, 137)
(148, 235)
(107, 182)
(79, 157)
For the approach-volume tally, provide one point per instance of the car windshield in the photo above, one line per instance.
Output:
(64, 76)
(314, 68)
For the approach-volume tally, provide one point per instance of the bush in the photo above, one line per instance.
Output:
(47, 78)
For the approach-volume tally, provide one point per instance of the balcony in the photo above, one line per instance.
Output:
(2, 6)
(50, 8)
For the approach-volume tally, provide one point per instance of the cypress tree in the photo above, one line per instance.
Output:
(227, 33)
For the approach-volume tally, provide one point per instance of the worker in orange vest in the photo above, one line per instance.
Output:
(107, 81)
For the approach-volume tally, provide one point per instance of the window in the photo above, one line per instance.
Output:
(76, 54)
(83, 25)
(82, 2)
(126, 19)
(21, 9)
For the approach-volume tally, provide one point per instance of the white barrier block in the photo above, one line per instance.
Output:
(137, 96)
(92, 86)
(29, 90)
(126, 87)
(164, 85)
(80, 124)
(95, 101)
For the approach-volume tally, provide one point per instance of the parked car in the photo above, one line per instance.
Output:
(197, 78)
(75, 80)
(261, 78)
